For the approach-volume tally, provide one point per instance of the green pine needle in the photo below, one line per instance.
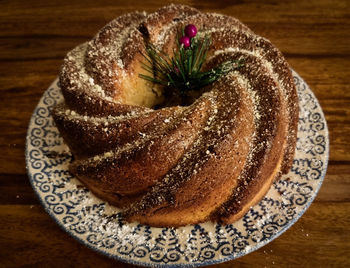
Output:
(183, 71)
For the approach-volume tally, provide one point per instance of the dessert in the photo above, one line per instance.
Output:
(211, 159)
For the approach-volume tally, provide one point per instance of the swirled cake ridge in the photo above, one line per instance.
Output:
(210, 160)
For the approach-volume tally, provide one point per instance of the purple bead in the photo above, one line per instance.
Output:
(190, 30)
(185, 41)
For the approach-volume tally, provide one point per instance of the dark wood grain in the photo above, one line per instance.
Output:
(34, 37)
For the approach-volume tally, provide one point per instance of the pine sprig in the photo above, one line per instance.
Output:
(183, 72)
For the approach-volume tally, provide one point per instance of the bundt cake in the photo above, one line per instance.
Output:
(176, 165)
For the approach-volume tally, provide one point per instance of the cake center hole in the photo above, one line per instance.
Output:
(140, 92)
(171, 97)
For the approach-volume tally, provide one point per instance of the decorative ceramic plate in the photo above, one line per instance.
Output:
(99, 225)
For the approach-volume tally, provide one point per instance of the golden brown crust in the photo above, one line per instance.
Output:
(90, 136)
(208, 173)
(178, 165)
(136, 166)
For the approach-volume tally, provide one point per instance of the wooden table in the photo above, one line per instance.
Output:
(35, 36)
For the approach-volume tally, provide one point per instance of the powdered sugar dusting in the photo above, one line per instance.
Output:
(102, 66)
(79, 80)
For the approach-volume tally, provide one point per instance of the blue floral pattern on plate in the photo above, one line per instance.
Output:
(99, 225)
